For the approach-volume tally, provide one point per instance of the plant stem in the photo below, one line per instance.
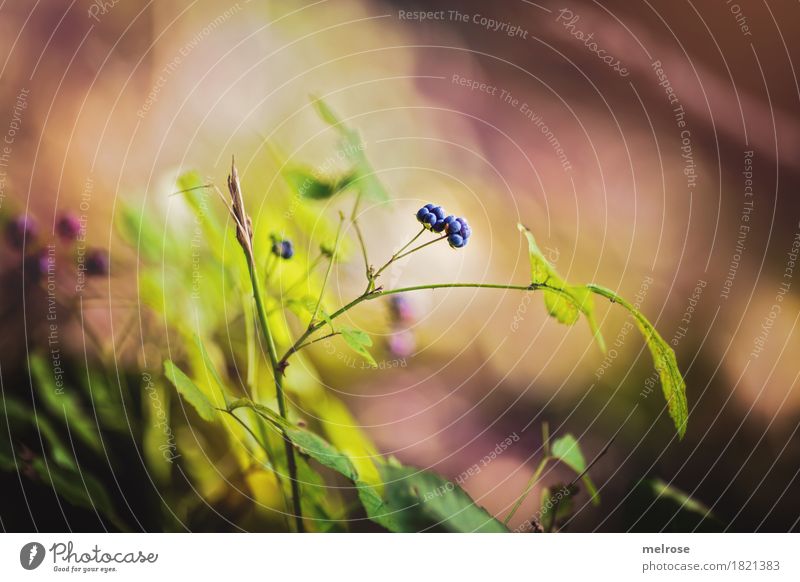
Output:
(327, 273)
(531, 482)
(281, 398)
(398, 254)
(362, 244)
(374, 294)
(267, 450)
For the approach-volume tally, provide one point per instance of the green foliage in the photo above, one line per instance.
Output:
(63, 403)
(424, 501)
(190, 391)
(313, 187)
(564, 302)
(567, 450)
(358, 341)
(557, 504)
(362, 175)
(666, 364)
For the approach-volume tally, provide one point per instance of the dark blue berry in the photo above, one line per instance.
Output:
(283, 249)
(453, 225)
(429, 220)
(456, 241)
(422, 212)
(438, 211)
(429, 207)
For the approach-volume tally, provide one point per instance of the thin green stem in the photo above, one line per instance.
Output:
(531, 482)
(374, 294)
(267, 451)
(360, 236)
(414, 250)
(280, 396)
(398, 254)
(327, 273)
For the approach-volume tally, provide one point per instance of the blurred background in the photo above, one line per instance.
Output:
(654, 148)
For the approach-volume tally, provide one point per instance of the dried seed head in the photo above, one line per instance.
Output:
(244, 226)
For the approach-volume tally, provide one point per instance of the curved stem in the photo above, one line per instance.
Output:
(374, 294)
(398, 253)
(327, 273)
(531, 482)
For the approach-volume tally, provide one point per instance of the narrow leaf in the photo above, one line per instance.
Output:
(567, 450)
(422, 500)
(189, 391)
(666, 364)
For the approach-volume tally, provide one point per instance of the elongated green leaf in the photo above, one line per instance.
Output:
(308, 185)
(358, 341)
(79, 488)
(305, 441)
(62, 403)
(666, 364)
(363, 175)
(424, 501)
(564, 302)
(210, 367)
(189, 390)
(317, 448)
(19, 413)
(567, 450)
(138, 230)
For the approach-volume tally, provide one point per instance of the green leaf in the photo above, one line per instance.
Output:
(62, 403)
(557, 504)
(564, 302)
(16, 411)
(309, 185)
(567, 450)
(138, 230)
(79, 488)
(358, 341)
(422, 500)
(305, 441)
(664, 360)
(189, 391)
(210, 367)
(363, 176)
(317, 448)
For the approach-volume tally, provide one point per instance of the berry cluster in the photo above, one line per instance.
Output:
(435, 219)
(282, 249)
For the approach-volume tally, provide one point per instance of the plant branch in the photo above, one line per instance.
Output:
(244, 235)
(327, 272)
(398, 254)
(531, 482)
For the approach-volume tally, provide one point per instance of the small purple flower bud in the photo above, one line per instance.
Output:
(22, 230)
(402, 343)
(401, 309)
(97, 263)
(68, 226)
